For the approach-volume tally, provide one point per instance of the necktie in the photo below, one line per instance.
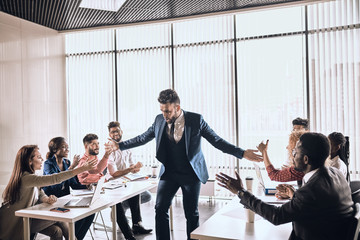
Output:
(172, 129)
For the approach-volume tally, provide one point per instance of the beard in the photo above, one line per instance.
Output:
(118, 139)
(92, 152)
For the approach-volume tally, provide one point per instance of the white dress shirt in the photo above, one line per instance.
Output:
(307, 176)
(179, 127)
(336, 162)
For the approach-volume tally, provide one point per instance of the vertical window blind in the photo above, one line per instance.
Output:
(247, 79)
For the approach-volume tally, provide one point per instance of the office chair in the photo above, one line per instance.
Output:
(345, 156)
(353, 233)
(355, 191)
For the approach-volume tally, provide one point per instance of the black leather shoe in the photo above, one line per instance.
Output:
(131, 238)
(139, 229)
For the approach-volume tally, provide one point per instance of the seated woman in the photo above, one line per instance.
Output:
(23, 190)
(337, 143)
(286, 174)
(56, 162)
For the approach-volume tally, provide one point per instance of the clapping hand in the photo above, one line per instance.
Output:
(108, 149)
(75, 162)
(113, 144)
(285, 191)
(136, 167)
(88, 165)
(51, 199)
(262, 146)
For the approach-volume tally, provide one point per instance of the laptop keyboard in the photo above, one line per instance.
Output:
(84, 201)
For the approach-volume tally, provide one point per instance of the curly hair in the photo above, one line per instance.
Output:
(168, 96)
(301, 121)
(113, 124)
(293, 138)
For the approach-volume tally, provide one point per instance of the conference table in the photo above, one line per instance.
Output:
(230, 222)
(108, 199)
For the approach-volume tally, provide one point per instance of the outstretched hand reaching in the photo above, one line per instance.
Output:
(250, 154)
(231, 184)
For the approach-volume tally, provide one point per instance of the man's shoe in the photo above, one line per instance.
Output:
(139, 229)
(131, 238)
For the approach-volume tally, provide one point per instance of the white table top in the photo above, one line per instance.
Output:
(110, 198)
(42, 211)
(132, 189)
(230, 223)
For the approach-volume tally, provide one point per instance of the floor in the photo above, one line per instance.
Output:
(206, 209)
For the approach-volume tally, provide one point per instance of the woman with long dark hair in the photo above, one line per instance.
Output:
(57, 162)
(337, 143)
(24, 190)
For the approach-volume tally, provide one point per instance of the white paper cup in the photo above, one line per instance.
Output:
(250, 216)
(153, 172)
(249, 183)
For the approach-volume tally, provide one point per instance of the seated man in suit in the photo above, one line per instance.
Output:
(321, 209)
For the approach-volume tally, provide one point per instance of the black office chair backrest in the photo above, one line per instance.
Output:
(353, 233)
(355, 191)
(345, 156)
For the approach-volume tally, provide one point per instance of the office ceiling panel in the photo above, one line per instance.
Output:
(67, 15)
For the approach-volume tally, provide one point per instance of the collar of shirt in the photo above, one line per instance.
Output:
(92, 157)
(179, 127)
(307, 176)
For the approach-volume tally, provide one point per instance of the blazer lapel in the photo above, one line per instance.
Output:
(187, 131)
(160, 133)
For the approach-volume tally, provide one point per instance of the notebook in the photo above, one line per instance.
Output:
(113, 184)
(87, 201)
(135, 177)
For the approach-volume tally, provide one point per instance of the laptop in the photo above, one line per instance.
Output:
(268, 187)
(87, 201)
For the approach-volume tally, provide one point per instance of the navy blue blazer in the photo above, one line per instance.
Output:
(61, 189)
(319, 210)
(195, 128)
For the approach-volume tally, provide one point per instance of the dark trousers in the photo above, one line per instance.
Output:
(82, 226)
(121, 219)
(165, 193)
(134, 205)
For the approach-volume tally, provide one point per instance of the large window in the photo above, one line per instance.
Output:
(248, 78)
(143, 70)
(90, 83)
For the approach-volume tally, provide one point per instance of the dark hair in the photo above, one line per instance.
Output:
(89, 137)
(301, 121)
(338, 138)
(113, 124)
(22, 164)
(54, 145)
(168, 96)
(316, 146)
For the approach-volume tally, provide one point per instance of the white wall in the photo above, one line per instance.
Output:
(32, 89)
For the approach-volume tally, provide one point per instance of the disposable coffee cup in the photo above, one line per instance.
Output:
(153, 171)
(250, 216)
(249, 183)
